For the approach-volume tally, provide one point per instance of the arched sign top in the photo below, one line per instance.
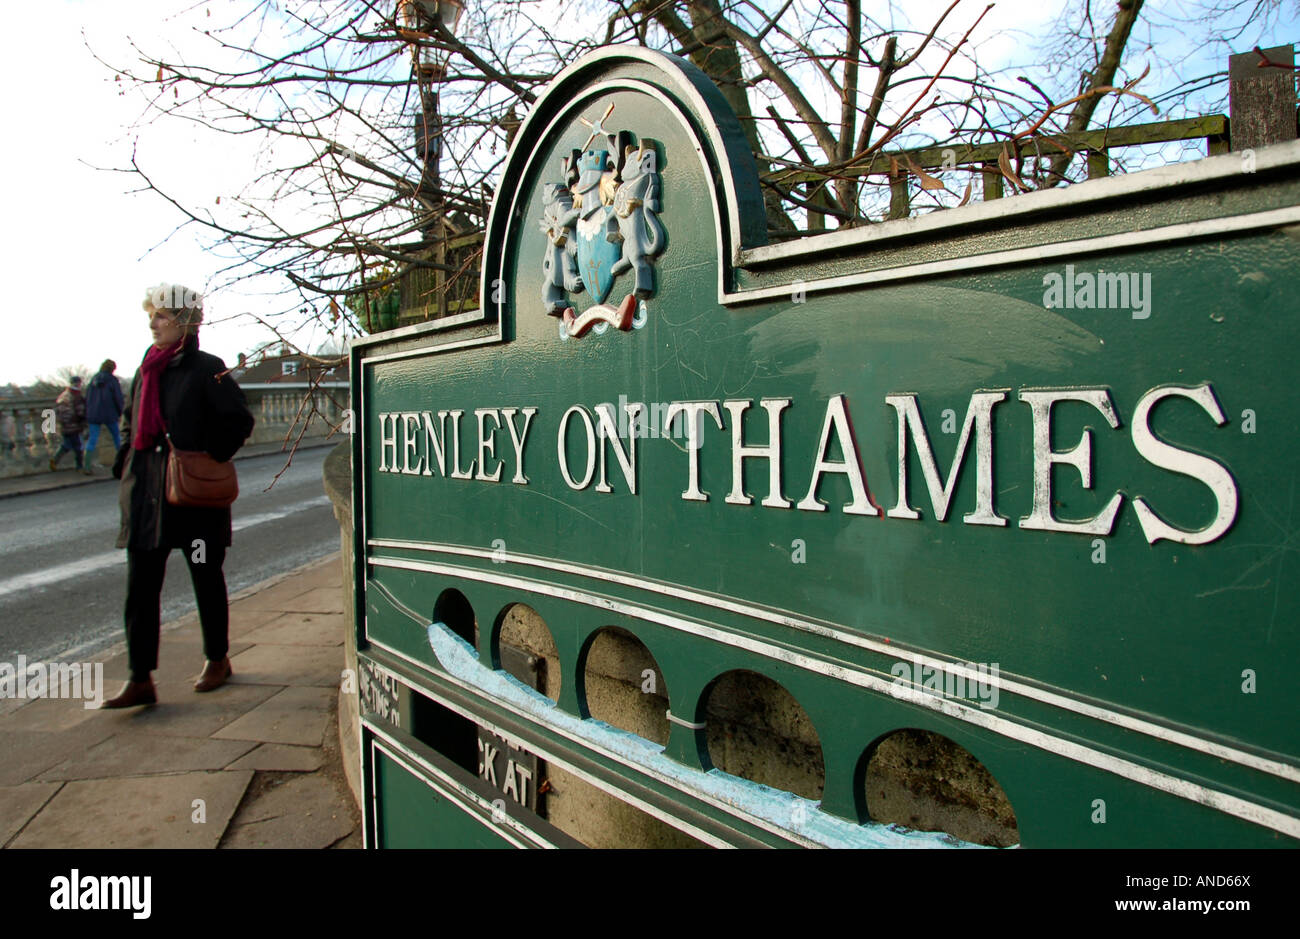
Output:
(590, 166)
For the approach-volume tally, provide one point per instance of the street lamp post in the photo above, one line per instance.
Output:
(429, 68)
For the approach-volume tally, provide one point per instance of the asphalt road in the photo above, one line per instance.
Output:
(63, 584)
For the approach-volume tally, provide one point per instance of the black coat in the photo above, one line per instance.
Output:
(203, 409)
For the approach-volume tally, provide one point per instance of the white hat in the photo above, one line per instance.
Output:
(176, 299)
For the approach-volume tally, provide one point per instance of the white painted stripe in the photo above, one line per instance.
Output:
(784, 618)
(262, 518)
(1090, 195)
(97, 562)
(419, 329)
(1033, 253)
(431, 350)
(51, 575)
(1232, 805)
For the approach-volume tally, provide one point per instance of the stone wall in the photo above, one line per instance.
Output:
(337, 480)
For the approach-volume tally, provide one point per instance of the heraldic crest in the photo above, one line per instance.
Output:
(601, 221)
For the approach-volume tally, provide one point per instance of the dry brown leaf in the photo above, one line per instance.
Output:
(966, 196)
(1004, 164)
(927, 181)
(1145, 72)
(160, 73)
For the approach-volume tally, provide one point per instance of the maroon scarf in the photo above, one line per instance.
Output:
(149, 420)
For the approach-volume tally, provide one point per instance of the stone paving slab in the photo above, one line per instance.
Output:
(265, 664)
(72, 777)
(326, 575)
(133, 754)
(301, 629)
(28, 753)
(181, 653)
(317, 600)
(295, 715)
(137, 812)
(183, 712)
(301, 812)
(281, 757)
(244, 619)
(54, 715)
(278, 598)
(354, 841)
(19, 803)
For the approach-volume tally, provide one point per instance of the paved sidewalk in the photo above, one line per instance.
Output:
(45, 480)
(254, 764)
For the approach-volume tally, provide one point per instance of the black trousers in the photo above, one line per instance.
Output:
(145, 570)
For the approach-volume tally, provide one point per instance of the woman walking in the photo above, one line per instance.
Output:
(186, 399)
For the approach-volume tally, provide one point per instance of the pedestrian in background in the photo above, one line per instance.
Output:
(187, 399)
(103, 409)
(8, 431)
(70, 412)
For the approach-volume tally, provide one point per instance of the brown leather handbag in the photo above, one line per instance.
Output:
(195, 479)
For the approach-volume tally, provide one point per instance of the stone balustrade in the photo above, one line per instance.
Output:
(29, 432)
(29, 436)
(283, 412)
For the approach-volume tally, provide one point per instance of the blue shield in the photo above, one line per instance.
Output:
(596, 253)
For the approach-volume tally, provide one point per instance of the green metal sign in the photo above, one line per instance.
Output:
(1019, 476)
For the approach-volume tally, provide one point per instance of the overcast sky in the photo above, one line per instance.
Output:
(79, 251)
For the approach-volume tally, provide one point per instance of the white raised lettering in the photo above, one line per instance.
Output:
(456, 471)
(1201, 468)
(517, 439)
(433, 442)
(692, 411)
(1080, 457)
(837, 420)
(609, 432)
(978, 414)
(487, 445)
(771, 452)
(386, 443)
(410, 444)
(561, 445)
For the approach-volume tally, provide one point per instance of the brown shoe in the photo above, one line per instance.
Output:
(214, 675)
(132, 694)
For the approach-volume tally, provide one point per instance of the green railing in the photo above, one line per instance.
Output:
(451, 287)
(900, 166)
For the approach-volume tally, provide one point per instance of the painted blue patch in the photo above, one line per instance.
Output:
(596, 253)
(780, 809)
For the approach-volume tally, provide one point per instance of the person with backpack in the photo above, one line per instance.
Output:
(70, 412)
(103, 409)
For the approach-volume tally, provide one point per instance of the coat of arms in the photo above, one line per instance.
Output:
(600, 221)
